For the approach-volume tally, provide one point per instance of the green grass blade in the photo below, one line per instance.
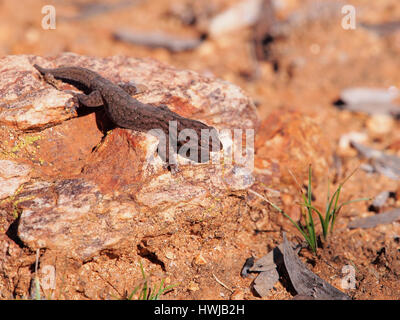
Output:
(133, 293)
(335, 211)
(309, 192)
(297, 227)
(328, 209)
(152, 293)
(303, 233)
(310, 223)
(331, 213)
(142, 270)
(311, 229)
(166, 289)
(353, 201)
(145, 291)
(37, 289)
(160, 290)
(320, 216)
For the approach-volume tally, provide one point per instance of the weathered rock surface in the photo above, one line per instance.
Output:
(95, 188)
(12, 176)
(28, 104)
(15, 273)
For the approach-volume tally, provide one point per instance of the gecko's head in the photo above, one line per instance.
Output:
(196, 144)
(195, 139)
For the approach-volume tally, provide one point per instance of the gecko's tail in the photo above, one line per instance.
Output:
(39, 68)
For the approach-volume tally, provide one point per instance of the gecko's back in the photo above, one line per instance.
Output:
(81, 75)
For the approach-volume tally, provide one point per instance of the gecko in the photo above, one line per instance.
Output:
(127, 112)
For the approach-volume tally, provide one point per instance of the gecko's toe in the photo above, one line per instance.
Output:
(173, 168)
(72, 105)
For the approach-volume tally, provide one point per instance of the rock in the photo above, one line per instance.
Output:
(346, 139)
(199, 260)
(34, 104)
(375, 220)
(268, 267)
(28, 104)
(15, 275)
(157, 40)
(265, 281)
(302, 297)
(73, 216)
(304, 281)
(371, 101)
(237, 295)
(12, 176)
(381, 162)
(272, 260)
(246, 267)
(193, 286)
(244, 13)
(380, 200)
(358, 96)
(379, 125)
(97, 188)
(170, 255)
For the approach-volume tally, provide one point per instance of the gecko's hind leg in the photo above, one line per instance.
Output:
(92, 100)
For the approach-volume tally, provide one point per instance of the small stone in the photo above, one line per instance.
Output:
(265, 282)
(346, 139)
(379, 125)
(12, 176)
(243, 13)
(193, 286)
(169, 255)
(237, 295)
(368, 95)
(199, 260)
(379, 201)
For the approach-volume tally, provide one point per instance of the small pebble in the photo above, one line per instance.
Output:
(247, 265)
(368, 95)
(169, 255)
(379, 125)
(193, 286)
(237, 295)
(345, 147)
(380, 200)
(199, 260)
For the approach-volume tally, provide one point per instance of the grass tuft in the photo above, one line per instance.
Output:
(327, 220)
(146, 291)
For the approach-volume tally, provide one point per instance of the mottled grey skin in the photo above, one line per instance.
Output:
(125, 111)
